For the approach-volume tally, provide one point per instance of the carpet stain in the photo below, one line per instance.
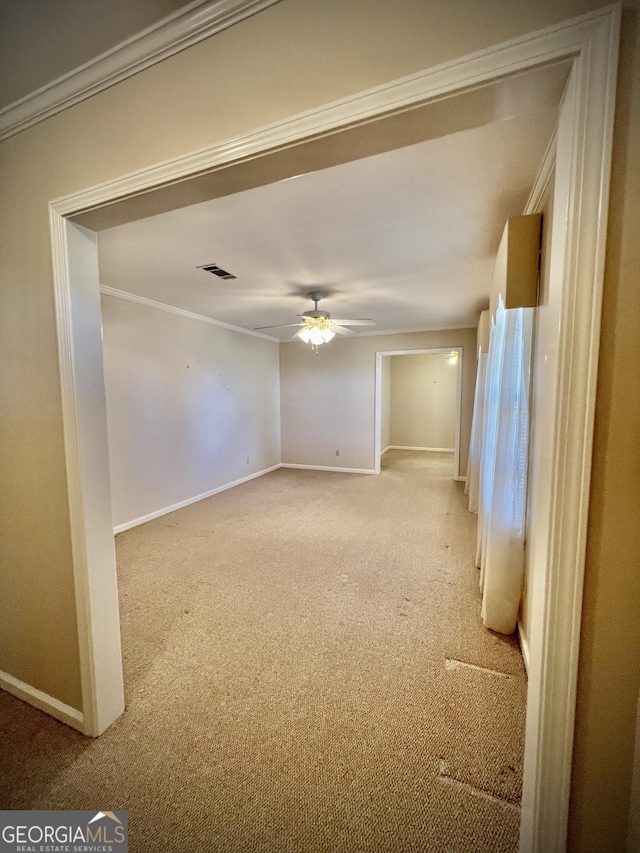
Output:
(283, 703)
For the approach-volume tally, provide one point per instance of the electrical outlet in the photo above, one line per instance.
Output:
(337, 453)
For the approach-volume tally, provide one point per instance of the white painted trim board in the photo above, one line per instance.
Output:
(42, 701)
(633, 834)
(329, 468)
(161, 306)
(186, 27)
(78, 316)
(136, 522)
(524, 646)
(120, 528)
(440, 328)
(533, 206)
(560, 41)
(429, 449)
(181, 312)
(583, 165)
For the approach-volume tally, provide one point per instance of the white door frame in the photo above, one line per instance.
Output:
(378, 400)
(591, 43)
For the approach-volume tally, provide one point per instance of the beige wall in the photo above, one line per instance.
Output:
(294, 56)
(328, 400)
(83, 29)
(424, 392)
(609, 666)
(187, 404)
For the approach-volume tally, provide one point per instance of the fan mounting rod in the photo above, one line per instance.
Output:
(316, 296)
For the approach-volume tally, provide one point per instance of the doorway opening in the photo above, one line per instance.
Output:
(419, 402)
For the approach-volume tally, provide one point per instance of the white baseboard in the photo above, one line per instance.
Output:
(430, 449)
(524, 646)
(633, 834)
(42, 701)
(457, 478)
(144, 518)
(329, 468)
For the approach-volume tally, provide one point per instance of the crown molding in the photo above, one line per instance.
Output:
(545, 173)
(563, 41)
(190, 315)
(417, 331)
(182, 29)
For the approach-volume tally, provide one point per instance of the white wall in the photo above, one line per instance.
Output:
(536, 451)
(424, 391)
(328, 400)
(187, 403)
(385, 403)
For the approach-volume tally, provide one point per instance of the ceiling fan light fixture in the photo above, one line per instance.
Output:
(316, 337)
(316, 331)
(317, 327)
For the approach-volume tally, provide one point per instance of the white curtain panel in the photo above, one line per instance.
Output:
(503, 468)
(489, 418)
(475, 445)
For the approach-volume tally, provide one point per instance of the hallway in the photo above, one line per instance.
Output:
(305, 670)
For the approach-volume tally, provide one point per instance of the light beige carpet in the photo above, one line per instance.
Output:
(305, 671)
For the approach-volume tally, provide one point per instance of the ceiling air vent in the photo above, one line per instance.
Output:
(214, 269)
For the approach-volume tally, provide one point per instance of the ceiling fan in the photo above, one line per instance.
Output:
(317, 326)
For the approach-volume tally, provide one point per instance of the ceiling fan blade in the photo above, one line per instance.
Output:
(283, 326)
(354, 322)
(342, 330)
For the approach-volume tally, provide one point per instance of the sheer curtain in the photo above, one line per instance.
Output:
(503, 467)
(475, 445)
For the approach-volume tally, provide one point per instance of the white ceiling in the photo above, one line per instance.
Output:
(407, 238)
